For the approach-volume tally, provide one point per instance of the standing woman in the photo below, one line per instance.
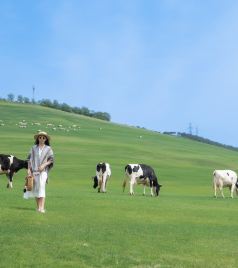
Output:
(41, 160)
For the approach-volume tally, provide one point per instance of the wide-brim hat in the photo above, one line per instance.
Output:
(42, 133)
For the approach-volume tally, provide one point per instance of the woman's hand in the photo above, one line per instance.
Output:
(41, 167)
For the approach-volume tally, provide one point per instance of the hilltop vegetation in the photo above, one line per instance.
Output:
(184, 227)
(59, 106)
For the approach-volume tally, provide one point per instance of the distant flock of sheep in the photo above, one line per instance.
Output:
(24, 124)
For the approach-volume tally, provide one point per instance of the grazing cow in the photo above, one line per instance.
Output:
(225, 178)
(103, 172)
(9, 165)
(141, 174)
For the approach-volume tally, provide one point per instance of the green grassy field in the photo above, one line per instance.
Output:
(184, 227)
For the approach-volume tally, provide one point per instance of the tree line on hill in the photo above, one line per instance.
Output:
(200, 139)
(59, 106)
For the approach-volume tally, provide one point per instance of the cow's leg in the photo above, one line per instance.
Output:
(132, 182)
(144, 189)
(215, 190)
(151, 187)
(104, 179)
(106, 182)
(221, 190)
(9, 176)
(99, 183)
(232, 188)
(154, 191)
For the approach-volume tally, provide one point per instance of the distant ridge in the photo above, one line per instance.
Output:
(201, 139)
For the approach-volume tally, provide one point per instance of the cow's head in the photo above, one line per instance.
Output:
(101, 168)
(158, 189)
(95, 182)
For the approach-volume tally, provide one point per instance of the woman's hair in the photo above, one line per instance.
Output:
(46, 142)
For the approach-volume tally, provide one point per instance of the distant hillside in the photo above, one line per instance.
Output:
(25, 102)
(201, 139)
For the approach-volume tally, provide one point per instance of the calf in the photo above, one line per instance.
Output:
(141, 174)
(103, 172)
(9, 165)
(225, 178)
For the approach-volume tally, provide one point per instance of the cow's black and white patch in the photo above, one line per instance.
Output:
(103, 172)
(142, 174)
(9, 165)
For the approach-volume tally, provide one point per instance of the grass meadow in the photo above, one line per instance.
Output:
(184, 227)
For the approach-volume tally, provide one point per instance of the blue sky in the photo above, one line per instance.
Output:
(156, 64)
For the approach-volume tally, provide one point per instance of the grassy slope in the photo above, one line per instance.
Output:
(184, 227)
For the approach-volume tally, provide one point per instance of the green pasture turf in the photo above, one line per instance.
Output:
(184, 227)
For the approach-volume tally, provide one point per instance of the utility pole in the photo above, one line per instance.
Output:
(33, 94)
(190, 128)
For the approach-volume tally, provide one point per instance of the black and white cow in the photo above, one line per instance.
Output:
(141, 174)
(103, 172)
(9, 165)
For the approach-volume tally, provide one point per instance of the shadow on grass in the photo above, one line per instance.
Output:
(23, 208)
